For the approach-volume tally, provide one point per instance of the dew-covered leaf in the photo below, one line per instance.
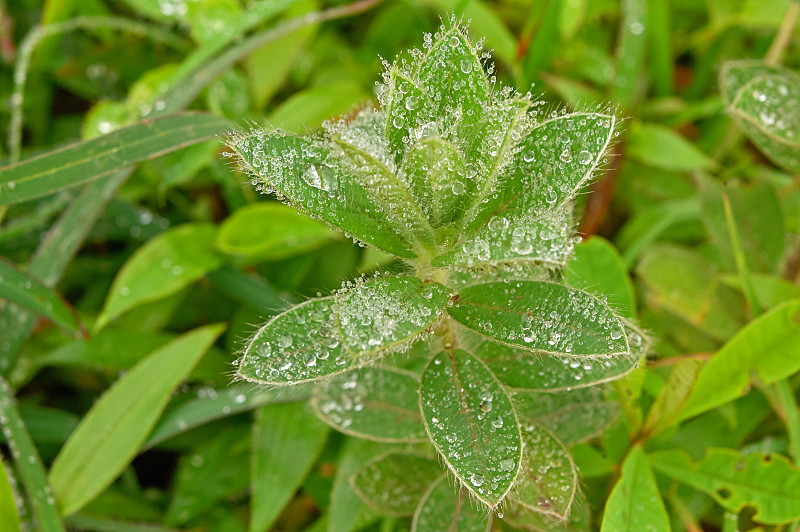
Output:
(735, 74)
(635, 503)
(542, 317)
(330, 335)
(444, 507)
(407, 109)
(523, 518)
(572, 416)
(767, 482)
(164, 265)
(306, 175)
(25, 291)
(270, 231)
(547, 481)
(472, 424)
(380, 404)
(392, 483)
(598, 267)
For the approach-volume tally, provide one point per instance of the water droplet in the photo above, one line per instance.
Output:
(584, 157)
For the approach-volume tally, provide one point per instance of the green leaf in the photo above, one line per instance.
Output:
(164, 265)
(215, 469)
(523, 518)
(765, 107)
(113, 430)
(345, 504)
(286, 442)
(472, 423)
(312, 180)
(380, 404)
(572, 416)
(392, 482)
(548, 481)
(661, 147)
(635, 502)
(542, 317)
(599, 267)
(736, 74)
(446, 508)
(672, 397)
(764, 352)
(9, 518)
(84, 161)
(767, 482)
(315, 104)
(27, 292)
(521, 370)
(270, 231)
(330, 335)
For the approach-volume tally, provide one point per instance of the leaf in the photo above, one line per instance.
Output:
(215, 469)
(326, 336)
(345, 504)
(9, 518)
(672, 397)
(380, 404)
(270, 231)
(519, 369)
(171, 261)
(445, 508)
(315, 104)
(599, 267)
(27, 292)
(764, 351)
(81, 162)
(573, 416)
(392, 482)
(542, 317)
(635, 502)
(548, 481)
(115, 427)
(287, 439)
(522, 518)
(767, 482)
(314, 181)
(472, 423)
(661, 147)
(735, 74)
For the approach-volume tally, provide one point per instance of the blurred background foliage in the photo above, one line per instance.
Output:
(701, 224)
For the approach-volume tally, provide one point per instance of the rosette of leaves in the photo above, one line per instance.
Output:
(471, 185)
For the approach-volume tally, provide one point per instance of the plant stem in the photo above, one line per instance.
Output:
(781, 41)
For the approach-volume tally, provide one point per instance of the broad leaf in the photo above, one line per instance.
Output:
(635, 502)
(446, 508)
(523, 518)
(112, 431)
(25, 291)
(345, 504)
(766, 349)
(164, 265)
(542, 317)
(84, 161)
(380, 404)
(548, 481)
(286, 442)
(767, 482)
(391, 483)
(270, 231)
(472, 424)
(573, 416)
(307, 176)
(330, 335)
(598, 267)
(661, 147)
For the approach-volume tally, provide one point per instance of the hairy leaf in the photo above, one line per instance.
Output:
(472, 424)
(392, 483)
(444, 507)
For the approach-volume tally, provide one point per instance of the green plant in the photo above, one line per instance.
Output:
(472, 185)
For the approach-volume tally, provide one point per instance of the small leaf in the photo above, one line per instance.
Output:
(171, 261)
(548, 481)
(765, 348)
(391, 483)
(446, 508)
(330, 335)
(661, 147)
(635, 503)
(84, 161)
(542, 317)
(27, 292)
(472, 424)
(407, 109)
(573, 417)
(270, 231)
(381, 404)
(287, 439)
(767, 482)
(112, 431)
